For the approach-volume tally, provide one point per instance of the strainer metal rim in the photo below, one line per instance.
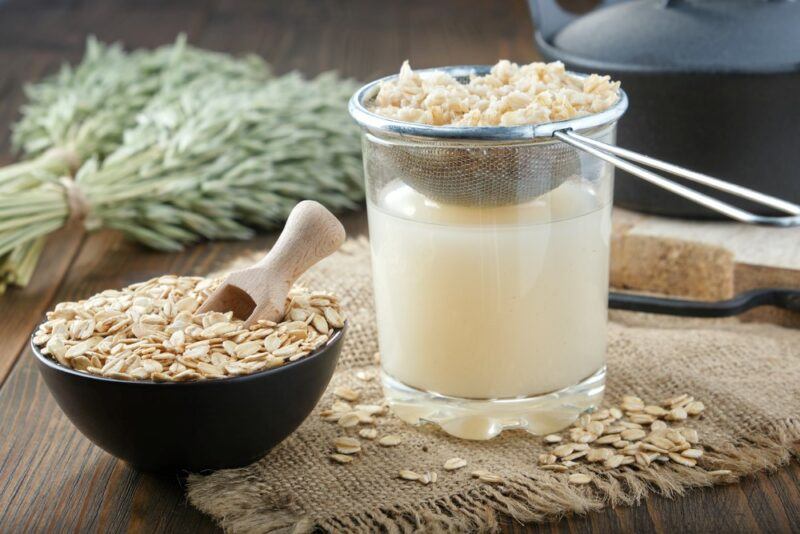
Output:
(377, 124)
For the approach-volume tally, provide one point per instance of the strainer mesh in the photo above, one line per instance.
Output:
(472, 174)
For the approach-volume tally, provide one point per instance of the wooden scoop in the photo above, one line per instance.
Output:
(259, 292)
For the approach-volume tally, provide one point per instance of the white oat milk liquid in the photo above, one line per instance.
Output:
(488, 303)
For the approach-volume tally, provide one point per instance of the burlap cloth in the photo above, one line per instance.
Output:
(748, 375)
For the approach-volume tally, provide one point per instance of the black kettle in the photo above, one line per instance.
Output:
(714, 86)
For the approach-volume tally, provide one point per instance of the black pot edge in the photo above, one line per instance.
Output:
(553, 53)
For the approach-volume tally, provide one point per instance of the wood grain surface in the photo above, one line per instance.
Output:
(51, 478)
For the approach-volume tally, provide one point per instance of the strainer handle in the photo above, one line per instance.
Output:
(618, 157)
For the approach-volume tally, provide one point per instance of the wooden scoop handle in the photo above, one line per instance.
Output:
(311, 234)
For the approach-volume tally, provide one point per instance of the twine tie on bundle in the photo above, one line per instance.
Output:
(147, 182)
(77, 202)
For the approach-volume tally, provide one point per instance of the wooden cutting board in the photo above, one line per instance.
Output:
(704, 260)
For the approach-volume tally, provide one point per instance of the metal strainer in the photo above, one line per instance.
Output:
(475, 175)
(492, 166)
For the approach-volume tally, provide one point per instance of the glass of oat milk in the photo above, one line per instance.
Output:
(490, 251)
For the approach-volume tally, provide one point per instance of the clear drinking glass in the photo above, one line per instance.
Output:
(490, 255)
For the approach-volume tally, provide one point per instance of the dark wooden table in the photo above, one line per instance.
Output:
(51, 477)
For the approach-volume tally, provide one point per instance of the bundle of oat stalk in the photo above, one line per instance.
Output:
(171, 146)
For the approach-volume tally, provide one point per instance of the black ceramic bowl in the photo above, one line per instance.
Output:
(200, 425)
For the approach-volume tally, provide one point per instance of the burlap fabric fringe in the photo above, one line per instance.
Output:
(748, 375)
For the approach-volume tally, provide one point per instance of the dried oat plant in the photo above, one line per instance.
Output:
(172, 146)
(82, 112)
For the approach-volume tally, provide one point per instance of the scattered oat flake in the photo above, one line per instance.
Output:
(695, 408)
(370, 409)
(546, 459)
(690, 435)
(564, 450)
(486, 476)
(633, 434)
(347, 445)
(454, 463)
(348, 420)
(658, 425)
(575, 455)
(364, 376)
(364, 417)
(658, 411)
(346, 393)
(598, 455)
(341, 458)
(608, 438)
(594, 434)
(340, 406)
(368, 433)
(692, 453)
(390, 440)
(406, 474)
(679, 459)
(564, 466)
(676, 414)
(675, 400)
(595, 427)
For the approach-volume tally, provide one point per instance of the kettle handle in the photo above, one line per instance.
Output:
(550, 18)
